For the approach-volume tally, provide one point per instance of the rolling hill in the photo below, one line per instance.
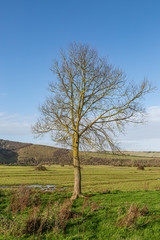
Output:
(31, 154)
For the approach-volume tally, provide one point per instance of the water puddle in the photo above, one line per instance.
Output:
(42, 187)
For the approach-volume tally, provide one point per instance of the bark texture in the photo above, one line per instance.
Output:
(77, 169)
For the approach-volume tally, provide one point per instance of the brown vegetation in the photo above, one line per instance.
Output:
(40, 167)
(140, 167)
(131, 215)
(22, 198)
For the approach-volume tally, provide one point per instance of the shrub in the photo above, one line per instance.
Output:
(40, 167)
(140, 167)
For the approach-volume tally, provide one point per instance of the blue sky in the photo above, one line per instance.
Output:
(127, 32)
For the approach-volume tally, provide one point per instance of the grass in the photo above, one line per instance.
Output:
(112, 215)
(119, 203)
(94, 178)
(126, 155)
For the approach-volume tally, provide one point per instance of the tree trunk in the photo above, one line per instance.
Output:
(77, 169)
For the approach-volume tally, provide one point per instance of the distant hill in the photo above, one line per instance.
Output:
(8, 151)
(11, 145)
(31, 154)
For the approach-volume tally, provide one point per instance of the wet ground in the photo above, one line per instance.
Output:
(42, 187)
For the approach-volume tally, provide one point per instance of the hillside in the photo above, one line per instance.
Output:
(30, 154)
(8, 151)
(11, 145)
(27, 153)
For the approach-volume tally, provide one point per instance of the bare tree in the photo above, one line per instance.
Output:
(89, 103)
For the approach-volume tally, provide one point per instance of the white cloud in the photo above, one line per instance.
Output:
(2, 114)
(154, 114)
(16, 127)
(138, 137)
(146, 136)
(15, 124)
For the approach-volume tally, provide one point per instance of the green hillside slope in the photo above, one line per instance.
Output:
(30, 154)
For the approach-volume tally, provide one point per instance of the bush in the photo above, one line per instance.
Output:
(40, 167)
(140, 167)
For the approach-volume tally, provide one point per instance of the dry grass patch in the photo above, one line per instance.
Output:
(132, 213)
(22, 198)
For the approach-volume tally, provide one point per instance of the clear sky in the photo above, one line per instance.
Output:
(127, 32)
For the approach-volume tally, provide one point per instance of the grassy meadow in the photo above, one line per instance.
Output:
(118, 203)
(94, 178)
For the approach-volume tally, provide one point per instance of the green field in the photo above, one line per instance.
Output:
(94, 178)
(119, 203)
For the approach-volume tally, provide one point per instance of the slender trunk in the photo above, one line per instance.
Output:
(77, 169)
